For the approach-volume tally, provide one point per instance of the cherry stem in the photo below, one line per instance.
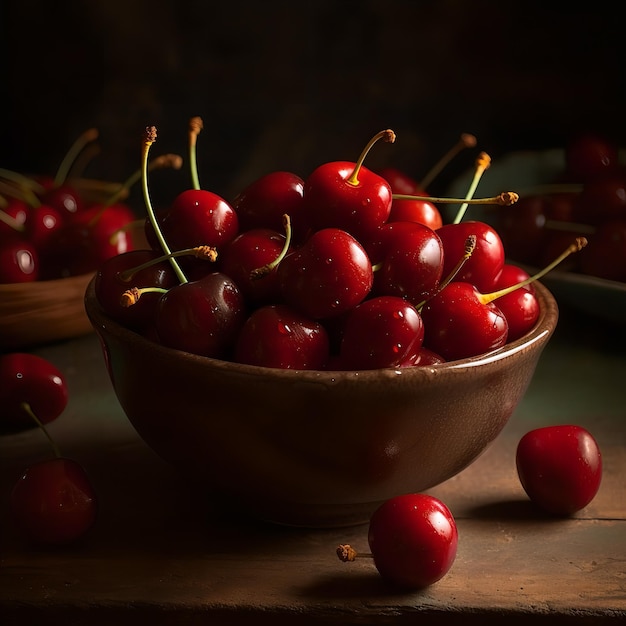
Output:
(578, 244)
(149, 138)
(470, 246)
(66, 164)
(346, 553)
(482, 164)
(131, 296)
(206, 253)
(465, 141)
(26, 406)
(10, 221)
(24, 193)
(23, 181)
(195, 127)
(264, 270)
(506, 198)
(387, 135)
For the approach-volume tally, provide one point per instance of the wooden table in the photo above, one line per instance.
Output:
(163, 552)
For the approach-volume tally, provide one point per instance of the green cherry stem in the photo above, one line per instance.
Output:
(149, 138)
(482, 164)
(386, 135)
(68, 160)
(578, 244)
(206, 253)
(465, 141)
(27, 408)
(195, 127)
(506, 198)
(10, 221)
(264, 270)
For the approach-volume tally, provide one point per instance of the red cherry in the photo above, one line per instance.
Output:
(29, 383)
(605, 255)
(64, 198)
(13, 218)
(422, 211)
(520, 307)
(248, 252)
(459, 323)
(413, 539)
(380, 332)
(559, 467)
(264, 202)
(202, 317)
(54, 502)
(484, 266)
(327, 276)
(590, 155)
(348, 196)
(41, 223)
(120, 273)
(19, 260)
(401, 182)
(600, 200)
(412, 261)
(278, 336)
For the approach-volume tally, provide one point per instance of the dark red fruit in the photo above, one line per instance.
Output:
(54, 502)
(560, 467)
(413, 539)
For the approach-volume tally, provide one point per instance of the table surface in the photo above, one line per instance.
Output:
(164, 552)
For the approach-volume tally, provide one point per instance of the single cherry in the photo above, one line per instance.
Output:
(19, 260)
(559, 467)
(277, 336)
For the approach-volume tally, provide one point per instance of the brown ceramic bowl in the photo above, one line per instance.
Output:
(309, 448)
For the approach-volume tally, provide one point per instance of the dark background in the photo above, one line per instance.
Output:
(289, 84)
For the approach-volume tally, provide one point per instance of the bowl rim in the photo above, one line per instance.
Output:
(540, 333)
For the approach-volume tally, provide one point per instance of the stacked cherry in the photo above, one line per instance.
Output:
(317, 273)
(53, 501)
(588, 199)
(49, 227)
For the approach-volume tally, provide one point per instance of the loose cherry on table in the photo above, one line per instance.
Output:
(413, 540)
(559, 467)
(29, 384)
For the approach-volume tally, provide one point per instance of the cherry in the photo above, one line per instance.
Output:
(600, 200)
(347, 195)
(393, 328)
(589, 155)
(13, 216)
(459, 323)
(19, 260)
(484, 266)
(29, 383)
(559, 467)
(400, 182)
(520, 307)
(423, 357)
(41, 223)
(278, 336)
(328, 275)
(412, 210)
(412, 262)
(251, 260)
(64, 199)
(605, 256)
(202, 317)
(413, 540)
(263, 203)
(133, 269)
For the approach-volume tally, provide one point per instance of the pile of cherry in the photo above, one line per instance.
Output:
(347, 269)
(50, 228)
(588, 199)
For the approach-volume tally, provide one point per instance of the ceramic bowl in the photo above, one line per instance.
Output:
(47, 311)
(316, 448)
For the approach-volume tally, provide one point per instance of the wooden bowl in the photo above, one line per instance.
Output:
(316, 448)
